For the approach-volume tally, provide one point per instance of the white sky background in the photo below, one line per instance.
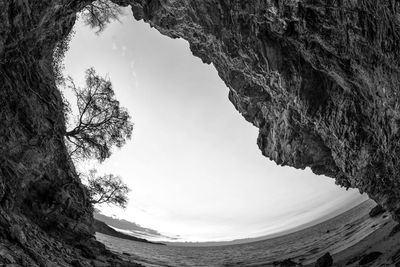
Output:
(193, 163)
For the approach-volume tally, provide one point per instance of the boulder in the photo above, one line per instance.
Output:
(285, 263)
(324, 261)
(376, 211)
(370, 257)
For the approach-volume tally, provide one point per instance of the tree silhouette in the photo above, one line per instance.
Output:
(107, 189)
(100, 124)
(99, 13)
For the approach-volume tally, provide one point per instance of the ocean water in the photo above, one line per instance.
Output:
(304, 246)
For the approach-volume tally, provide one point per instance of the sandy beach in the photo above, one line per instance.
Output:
(377, 249)
(379, 241)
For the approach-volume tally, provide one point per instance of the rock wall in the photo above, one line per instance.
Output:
(319, 78)
(45, 214)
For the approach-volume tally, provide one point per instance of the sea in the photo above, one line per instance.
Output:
(304, 246)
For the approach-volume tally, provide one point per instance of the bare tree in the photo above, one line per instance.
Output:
(101, 123)
(99, 13)
(107, 189)
(96, 15)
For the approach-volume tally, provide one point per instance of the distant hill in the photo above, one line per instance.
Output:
(102, 227)
(124, 225)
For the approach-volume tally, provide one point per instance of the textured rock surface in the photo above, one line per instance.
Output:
(319, 79)
(45, 215)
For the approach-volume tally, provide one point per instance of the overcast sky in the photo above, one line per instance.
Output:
(193, 163)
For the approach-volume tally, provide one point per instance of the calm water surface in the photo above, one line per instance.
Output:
(303, 246)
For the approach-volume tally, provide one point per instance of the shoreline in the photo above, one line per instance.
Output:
(103, 228)
(385, 250)
(378, 242)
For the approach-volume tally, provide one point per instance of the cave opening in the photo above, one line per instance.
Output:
(321, 92)
(193, 165)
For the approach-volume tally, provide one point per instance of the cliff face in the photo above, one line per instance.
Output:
(45, 215)
(319, 79)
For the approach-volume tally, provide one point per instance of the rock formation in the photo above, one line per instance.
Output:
(370, 257)
(324, 261)
(45, 214)
(376, 211)
(319, 79)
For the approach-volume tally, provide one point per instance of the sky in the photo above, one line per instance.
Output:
(193, 164)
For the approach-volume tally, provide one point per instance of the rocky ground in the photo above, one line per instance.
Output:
(29, 245)
(381, 248)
